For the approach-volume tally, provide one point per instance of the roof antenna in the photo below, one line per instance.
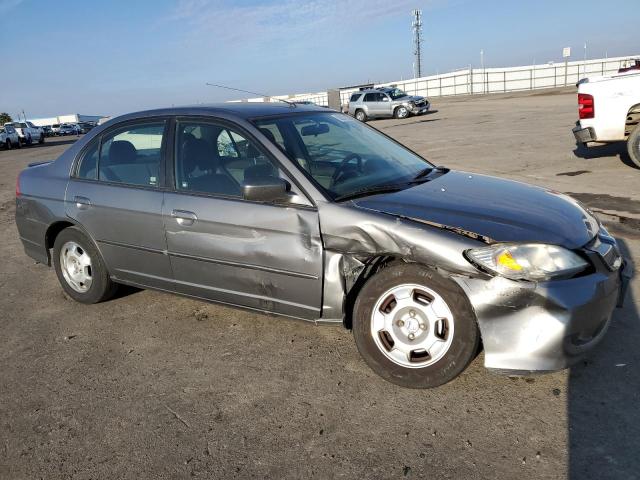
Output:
(291, 104)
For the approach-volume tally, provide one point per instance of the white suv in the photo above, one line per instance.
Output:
(9, 137)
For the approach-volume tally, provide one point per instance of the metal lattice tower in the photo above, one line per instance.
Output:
(417, 42)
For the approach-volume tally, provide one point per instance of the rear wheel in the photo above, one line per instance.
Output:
(414, 327)
(80, 268)
(361, 116)
(633, 146)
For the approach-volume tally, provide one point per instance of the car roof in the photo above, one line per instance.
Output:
(244, 110)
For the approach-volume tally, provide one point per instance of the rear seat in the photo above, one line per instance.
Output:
(136, 173)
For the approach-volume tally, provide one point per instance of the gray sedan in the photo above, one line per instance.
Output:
(308, 213)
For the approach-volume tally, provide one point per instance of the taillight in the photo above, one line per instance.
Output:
(18, 193)
(586, 106)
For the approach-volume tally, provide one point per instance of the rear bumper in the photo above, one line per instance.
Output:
(528, 327)
(584, 135)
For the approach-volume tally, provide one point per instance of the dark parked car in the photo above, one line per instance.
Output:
(308, 213)
(85, 127)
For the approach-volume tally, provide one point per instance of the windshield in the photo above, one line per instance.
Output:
(342, 155)
(396, 93)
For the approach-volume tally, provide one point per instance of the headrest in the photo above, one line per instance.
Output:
(122, 152)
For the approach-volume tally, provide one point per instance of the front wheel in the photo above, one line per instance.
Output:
(401, 112)
(633, 146)
(8, 145)
(41, 139)
(414, 327)
(80, 268)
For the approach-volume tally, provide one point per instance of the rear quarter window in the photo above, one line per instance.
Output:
(355, 97)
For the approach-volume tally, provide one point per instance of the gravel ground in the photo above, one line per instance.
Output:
(151, 385)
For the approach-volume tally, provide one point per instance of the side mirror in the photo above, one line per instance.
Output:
(385, 99)
(266, 189)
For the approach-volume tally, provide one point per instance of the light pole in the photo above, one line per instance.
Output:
(482, 68)
(584, 65)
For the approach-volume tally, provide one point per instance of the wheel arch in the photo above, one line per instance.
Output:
(632, 119)
(369, 267)
(52, 232)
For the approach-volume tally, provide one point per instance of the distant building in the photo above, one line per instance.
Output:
(69, 118)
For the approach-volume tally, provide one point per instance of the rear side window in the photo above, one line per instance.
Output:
(89, 163)
(132, 154)
(370, 97)
(355, 97)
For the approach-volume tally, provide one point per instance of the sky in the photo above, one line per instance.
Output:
(110, 57)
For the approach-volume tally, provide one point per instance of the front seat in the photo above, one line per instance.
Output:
(199, 165)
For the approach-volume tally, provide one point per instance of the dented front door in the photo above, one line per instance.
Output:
(262, 256)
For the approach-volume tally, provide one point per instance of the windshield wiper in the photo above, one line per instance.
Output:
(428, 170)
(390, 187)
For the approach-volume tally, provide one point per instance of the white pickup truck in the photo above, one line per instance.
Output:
(609, 111)
(27, 132)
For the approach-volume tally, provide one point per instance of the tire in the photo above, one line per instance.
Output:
(28, 140)
(361, 116)
(633, 146)
(8, 145)
(82, 284)
(401, 112)
(412, 321)
(18, 145)
(41, 140)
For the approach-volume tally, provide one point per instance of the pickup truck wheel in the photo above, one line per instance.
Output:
(41, 139)
(414, 327)
(401, 112)
(361, 116)
(633, 146)
(80, 268)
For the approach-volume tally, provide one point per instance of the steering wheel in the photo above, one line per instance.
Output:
(342, 170)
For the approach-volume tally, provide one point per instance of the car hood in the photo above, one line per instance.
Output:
(411, 98)
(502, 210)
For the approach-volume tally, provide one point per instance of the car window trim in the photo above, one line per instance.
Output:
(225, 123)
(99, 137)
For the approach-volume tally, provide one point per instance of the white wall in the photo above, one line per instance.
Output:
(480, 81)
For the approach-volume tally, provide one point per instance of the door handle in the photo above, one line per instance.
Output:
(184, 217)
(82, 203)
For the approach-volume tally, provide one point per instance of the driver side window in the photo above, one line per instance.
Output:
(216, 159)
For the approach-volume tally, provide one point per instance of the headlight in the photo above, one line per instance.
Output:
(530, 261)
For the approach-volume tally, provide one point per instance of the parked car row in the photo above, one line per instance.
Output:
(61, 129)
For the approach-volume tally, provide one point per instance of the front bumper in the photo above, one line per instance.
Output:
(583, 135)
(534, 327)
